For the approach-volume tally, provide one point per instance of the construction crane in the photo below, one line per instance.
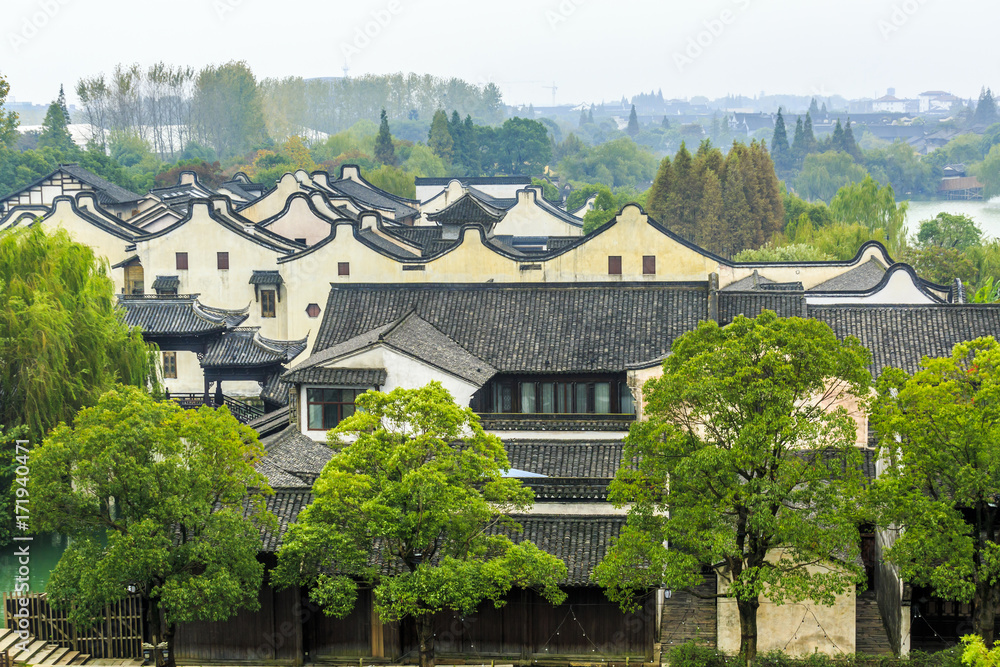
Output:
(553, 88)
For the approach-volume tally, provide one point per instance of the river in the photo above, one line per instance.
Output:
(985, 213)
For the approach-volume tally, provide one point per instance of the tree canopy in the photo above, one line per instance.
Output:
(419, 485)
(745, 458)
(157, 498)
(939, 431)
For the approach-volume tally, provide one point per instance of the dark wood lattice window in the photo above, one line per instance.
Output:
(267, 300)
(182, 261)
(615, 265)
(170, 365)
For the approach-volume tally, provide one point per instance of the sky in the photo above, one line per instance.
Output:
(591, 50)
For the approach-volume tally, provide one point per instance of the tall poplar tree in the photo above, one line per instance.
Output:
(633, 123)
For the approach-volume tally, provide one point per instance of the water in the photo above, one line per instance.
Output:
(985, 213)
(44, 552)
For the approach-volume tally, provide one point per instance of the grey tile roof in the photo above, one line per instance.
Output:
(899, 336)
(286, 505)
(474, 180)
(265, 278)
(748, 284)
(858, 279)
(275, 390)
(271, 422)
(568, 489)
(245, 347)
(296, 454)
(373, 197)
(753, 303)
(177, 315)
(468, 209)
(344, 377)
(538, 327)
(107, 192)
(559, 458)
(579, 541)
(388, 247)
(503, 203)
(276, 477)
(166, 283)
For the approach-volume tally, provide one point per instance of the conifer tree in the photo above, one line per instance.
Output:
(470, 157)
(657, 199)
(665, 124)
(799, 142)
(986, 109)
(772, 204)
(823, 110)
(531, 111)
(837, 141)
(735, 209)
(590, 114)
(633, 123)
(384, 150)
(682, 203)
(439, 139)
(780, 150)
(810, 139)
(813, 107)
(850, 145)
(583, 117)
(55, 127)
(711, 227)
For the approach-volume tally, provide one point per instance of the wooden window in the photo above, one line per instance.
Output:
(343, 268)
(312, 310)
(170, 365)
(222, 259)
(327, 407)
(614, 265)
(649, 265)
(267, 300)
(181, 261)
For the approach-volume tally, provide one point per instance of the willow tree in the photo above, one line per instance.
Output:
(63, 341)
(416, 509)
(744, 460)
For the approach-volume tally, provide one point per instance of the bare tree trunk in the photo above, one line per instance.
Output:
(748, 630)
(425, 634)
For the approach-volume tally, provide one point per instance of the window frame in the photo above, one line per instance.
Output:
(343, 268)
(340, 405)
(169, 369)
(614, 265)
(649, 265)
(268, 297)
(222, 260)
(181, 261)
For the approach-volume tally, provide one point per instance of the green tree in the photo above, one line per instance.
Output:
(392, 179)
(837, 140)
(607, 204)
(8, 119)
(55, 128)
(421, 486)
(633, 123)
(939, 433)
(741, 460)
(850, 145)
(659, 192)
(439, 139)
(988, 172)
(780, 150)
(63, 342)
(711, 230)
(522, 146)
(940, 264)
(423, 162)
(949, 231)
(227, 109)
(384, 150)
(824, 174)
(873, 207)
(986, 109)
(155, 497)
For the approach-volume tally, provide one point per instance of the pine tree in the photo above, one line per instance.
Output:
(799, 142)
(986, 109)
(633, 123)
(55, 128)
(780, 150)
(711, 229)
(735, 210)
(810, 138)
(590, 114)
(823, 110)
(531, 110)
(658, 197)
(583, 117)
(665, 124)
(772, 217)
(439, 139)
(61, 101)
(813, 107)
(837, 141)
(682, 203)
(850, 145)
(384, 150)
(470, 157)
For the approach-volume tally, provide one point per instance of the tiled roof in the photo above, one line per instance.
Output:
(568, 489)
(899, 336)
(386, 246)
(344, 377)
(538, 327)
(107, 192)
(497, 202)
(372, 197)
(579, 541)
(296, 454)
(749, 284)
(275, 390)
(862, 278)
(474, 180)
(559, 458)
(166, 283)
(265, 278)
(271, 422)
(177, 315)
(467, 209)
(245, 347)
(753, 303)
(286, 505)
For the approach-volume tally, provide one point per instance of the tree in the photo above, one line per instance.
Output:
(824, 174)
(659, 191)
(938, 431)
(850, 145)
(522, 146)
(711, 231)
(8, 119)
(384, 151)
(154, 497)
(420, 486)
(227, 109)
(873, 207)
(949, 231)
(986, 109)
(63, 343)
(742, 460)
(837, 140)
(633, 123)
(813, 107)
(780, 151)
(439, 139)
(55, 128)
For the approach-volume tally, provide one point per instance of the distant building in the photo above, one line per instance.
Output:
(936, 101)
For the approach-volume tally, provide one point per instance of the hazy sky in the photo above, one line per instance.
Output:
(591, 49)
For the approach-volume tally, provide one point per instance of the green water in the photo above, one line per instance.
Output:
(44, 552)
(985, 213)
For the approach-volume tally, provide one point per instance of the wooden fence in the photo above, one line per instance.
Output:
(119, 635)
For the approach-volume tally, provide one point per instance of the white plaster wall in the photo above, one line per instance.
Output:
(301, 222)
(527, 218)
(190, 376)
(899, 289)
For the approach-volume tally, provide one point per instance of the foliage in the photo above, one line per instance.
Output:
(521, 147)
(156, 497)
(988, 172)
(939, 264)
(392, 179)
(439, 139)
(8, 119)
(875, 208)
(796, 252)
(227, 109)
(424, 163)
(633, 123)
(209, 174)
(615, 163)
(607, 204)
(743, 459)
(690, 654)
(63, 342)
(949, 231)
(823, 174)
(549, 191)
(417, 482)
(55, 131)
(384, 150)
(939, 431)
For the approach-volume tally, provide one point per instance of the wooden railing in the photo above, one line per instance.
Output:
(244, 411)
(118, 635)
